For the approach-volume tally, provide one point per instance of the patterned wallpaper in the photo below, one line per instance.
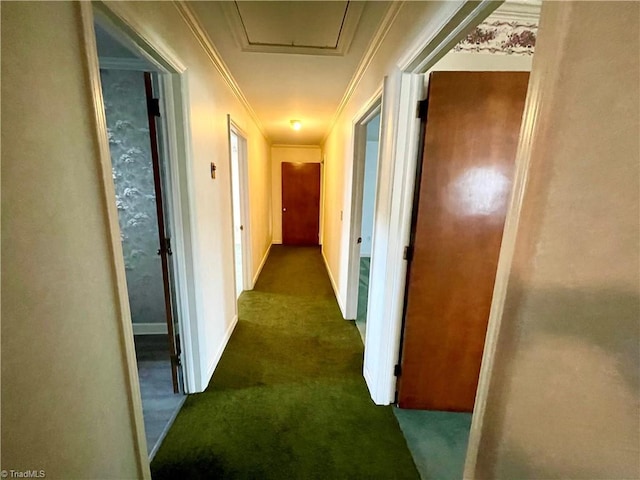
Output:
(128, 130)
(500, 37)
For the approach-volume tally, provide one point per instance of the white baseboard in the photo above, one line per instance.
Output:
(264, 260)
(149, 328)
(216, 358)
(334, 285)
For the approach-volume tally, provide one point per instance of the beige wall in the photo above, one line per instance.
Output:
(279, 154)
(65, 405)
(414, 21)
(564, 395)
(210, 100)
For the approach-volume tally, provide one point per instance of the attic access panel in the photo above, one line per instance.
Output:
(313, 28)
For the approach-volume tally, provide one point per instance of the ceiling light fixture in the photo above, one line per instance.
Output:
(296, 124)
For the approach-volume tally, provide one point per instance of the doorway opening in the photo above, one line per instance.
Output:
(240, 202)
(365, 175)
(370, 180)
(137, 133)
(469, 134)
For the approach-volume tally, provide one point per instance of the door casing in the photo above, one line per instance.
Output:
(245, 217)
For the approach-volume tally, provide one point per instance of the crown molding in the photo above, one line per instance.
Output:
(367, 57)
(207, 45)
(517, 11)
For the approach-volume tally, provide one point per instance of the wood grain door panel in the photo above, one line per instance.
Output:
(472, 130)
(300, 203)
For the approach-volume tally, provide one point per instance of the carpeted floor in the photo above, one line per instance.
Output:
(287, 400)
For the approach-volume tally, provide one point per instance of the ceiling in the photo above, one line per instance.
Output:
(292, 60)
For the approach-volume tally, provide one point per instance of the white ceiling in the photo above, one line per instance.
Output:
(295, 59)
(292, 84)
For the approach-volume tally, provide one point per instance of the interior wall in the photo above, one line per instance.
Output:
(279, 154)
(413, 23)
(210, 100)
(62, 350)
(563, 399)
(65, 400)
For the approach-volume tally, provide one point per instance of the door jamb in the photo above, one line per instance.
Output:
(245, 214)
(359, 129)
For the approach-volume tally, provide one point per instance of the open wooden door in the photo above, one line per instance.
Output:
(164, 251)
(300, 203)
(472, 128)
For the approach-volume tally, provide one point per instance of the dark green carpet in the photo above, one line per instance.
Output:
(287, 400)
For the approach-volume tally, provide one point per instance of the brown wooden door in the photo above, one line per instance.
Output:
(300, 203)
(472, 130)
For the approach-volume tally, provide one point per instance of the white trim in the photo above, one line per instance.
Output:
(119, 63)
(216, 358)
(117, 260)
(392, 222)
(345, 37)
(261, 266)
(149, 328)
(372, 49)
(207, 45)
(533, 106)
(137, 37)
(334, 285)
(518, 11)
(434, 44)
(194, 303)
(359, 129)
(244, 194)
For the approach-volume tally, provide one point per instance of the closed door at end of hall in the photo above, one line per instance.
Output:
(300, 203)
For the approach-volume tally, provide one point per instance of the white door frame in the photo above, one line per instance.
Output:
(245, 217)
(394, 197)
(181, 205)
(359, 129)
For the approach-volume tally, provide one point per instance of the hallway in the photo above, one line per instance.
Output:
(288, 399)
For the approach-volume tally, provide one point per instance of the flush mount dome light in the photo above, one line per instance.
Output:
(296, 124)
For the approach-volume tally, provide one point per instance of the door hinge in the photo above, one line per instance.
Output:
(175, 360)
(421, 111)
(397, 370)
(166, 247)
(359, 239)
(153, 106)
(408, 253)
